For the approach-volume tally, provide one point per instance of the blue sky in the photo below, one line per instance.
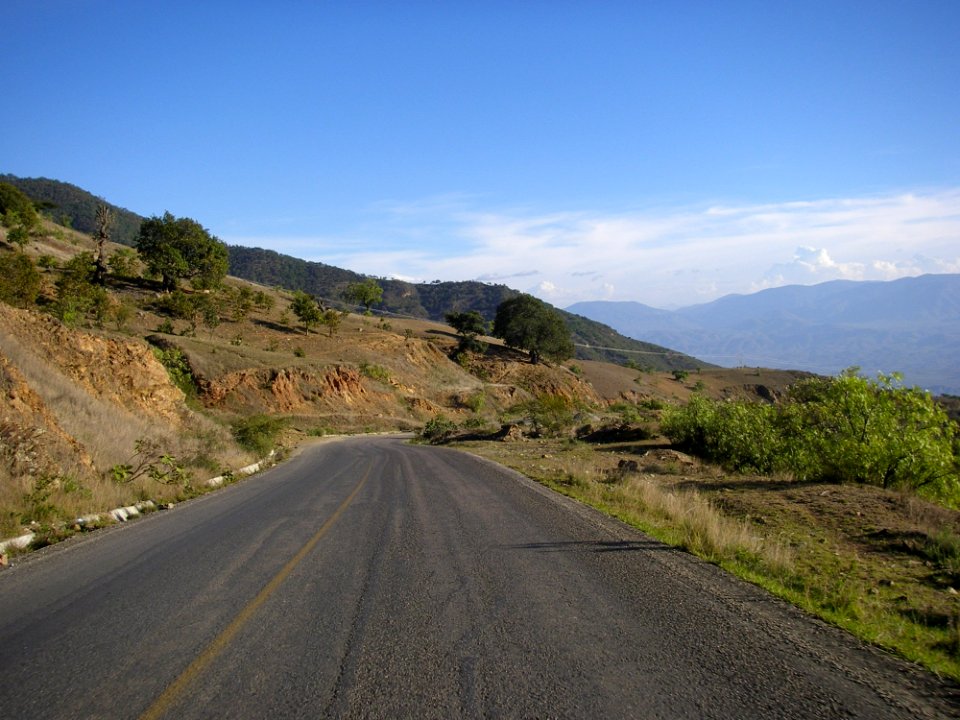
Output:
(666, 152)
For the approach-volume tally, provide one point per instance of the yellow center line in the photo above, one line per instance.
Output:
(217, 646)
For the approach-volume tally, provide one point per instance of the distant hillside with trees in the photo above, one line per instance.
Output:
(433, 301)
(73, 207)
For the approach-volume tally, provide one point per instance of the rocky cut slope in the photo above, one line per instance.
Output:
(75, 404)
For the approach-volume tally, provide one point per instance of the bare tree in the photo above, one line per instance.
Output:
(105, 217)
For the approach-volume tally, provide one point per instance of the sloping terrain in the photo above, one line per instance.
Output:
(67, 204)
(593, 340)
(75, 207)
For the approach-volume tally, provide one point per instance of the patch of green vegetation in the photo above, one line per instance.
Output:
(843, 429)
(258, 433)
(375, 372)
(149, 461)
(437, 429)
(550, 414)
(178, 368)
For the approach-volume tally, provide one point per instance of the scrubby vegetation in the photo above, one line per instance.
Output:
(258, 433)
(842, 429)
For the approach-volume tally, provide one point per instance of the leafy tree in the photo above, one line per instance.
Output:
(262, 301)
(306, 310)
(469, 325)
(208, 308)
(13, 198)
(18, 232)
(332, 319)
(123, 263)
(77, 294)
(196, 308)
(19, 280)
(18, 214)
(367, 292)
(530, 324)
(240, 302)
(181, 248)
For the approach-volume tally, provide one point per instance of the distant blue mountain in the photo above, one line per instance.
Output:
(911, 325)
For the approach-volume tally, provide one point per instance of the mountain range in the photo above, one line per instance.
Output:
(910, 325)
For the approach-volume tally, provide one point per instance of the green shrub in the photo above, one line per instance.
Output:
(78, 296)
(124, 263)
(149, 461)
(550, 414)
(258, 433)
(375, 372)
(473, 401)
(876, 432)
(437, 429)
(19, 280)
(843, 429)
(178, 368)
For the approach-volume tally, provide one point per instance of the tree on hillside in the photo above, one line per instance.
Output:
(124, 263)
(78, 296)
(105, 217)
(181, 248)
(18, 214)
(469, 326)
(19, 279)
(367, 292)
(530, 324)
(306, 310)
(332, 319)
(74, 207)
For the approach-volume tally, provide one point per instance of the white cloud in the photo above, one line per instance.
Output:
(663, 257)
(810, 265)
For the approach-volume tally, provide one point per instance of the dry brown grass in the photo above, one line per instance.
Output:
(58, 481)
(683, 516)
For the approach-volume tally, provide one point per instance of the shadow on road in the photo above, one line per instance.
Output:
(599, 546)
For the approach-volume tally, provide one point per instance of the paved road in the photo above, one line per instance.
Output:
(370, 578)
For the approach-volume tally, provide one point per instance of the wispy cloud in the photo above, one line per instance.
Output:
(662, 256)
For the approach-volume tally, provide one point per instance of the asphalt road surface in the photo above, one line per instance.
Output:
(371, 578)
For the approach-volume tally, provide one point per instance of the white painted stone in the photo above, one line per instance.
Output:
(18, 542)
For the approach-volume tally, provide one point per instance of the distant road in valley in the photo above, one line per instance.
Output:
(367, 577)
